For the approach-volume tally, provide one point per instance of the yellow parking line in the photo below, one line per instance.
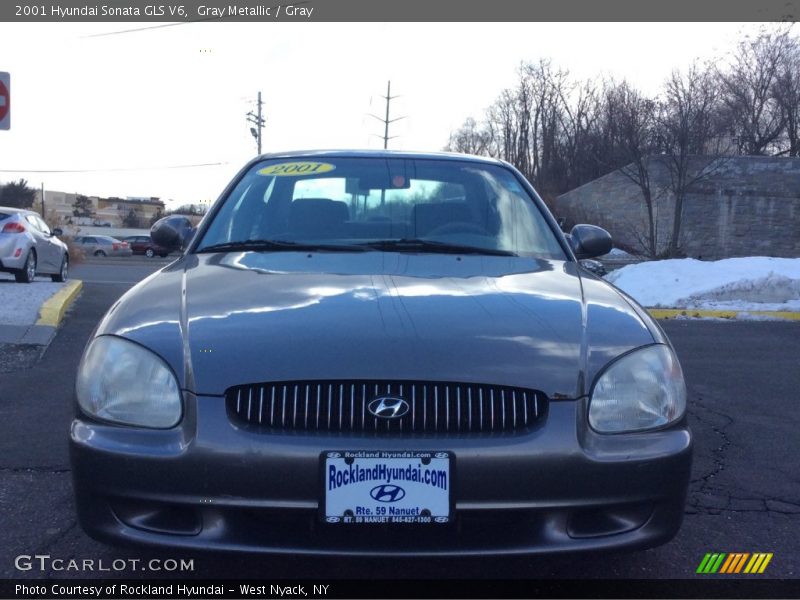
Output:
(53, 309)
(671, 313)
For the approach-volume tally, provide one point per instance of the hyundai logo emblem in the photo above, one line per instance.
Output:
(387, 493)
(388, 407)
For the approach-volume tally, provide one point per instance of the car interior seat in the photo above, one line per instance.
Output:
(318, 217)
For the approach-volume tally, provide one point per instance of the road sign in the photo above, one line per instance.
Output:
(5, 100)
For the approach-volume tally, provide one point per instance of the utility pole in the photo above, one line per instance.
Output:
(256, 120)
(43, 215)
(386, 120)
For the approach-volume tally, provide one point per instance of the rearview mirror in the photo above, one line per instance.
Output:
(588, 241)
(173, 232)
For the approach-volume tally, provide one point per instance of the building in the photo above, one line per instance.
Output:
(745, 206)
(59, 207)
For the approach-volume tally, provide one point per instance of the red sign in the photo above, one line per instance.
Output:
(5, 101)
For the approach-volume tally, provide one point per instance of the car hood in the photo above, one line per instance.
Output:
(233, 318)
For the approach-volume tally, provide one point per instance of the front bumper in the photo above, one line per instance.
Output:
(208, 484)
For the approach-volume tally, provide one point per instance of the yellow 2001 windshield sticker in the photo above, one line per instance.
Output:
(295, 169)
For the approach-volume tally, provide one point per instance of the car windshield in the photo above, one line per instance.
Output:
(388, 204)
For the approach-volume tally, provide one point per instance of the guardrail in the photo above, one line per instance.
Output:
(117, 232)
(617, 262)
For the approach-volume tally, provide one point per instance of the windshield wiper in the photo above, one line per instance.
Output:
(278, 245)
(423, 245)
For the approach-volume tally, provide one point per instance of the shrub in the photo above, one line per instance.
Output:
(76, 254)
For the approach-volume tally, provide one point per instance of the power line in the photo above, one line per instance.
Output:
(256, 120)
(111, 170)
(96, 35)
(198, 20)
(386, 121)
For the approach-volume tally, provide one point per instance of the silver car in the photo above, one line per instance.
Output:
(28, 247)
(103, 245)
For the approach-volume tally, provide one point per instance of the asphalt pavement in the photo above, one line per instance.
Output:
(123, 271)
(743, 381)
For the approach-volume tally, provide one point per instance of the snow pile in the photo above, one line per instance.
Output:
(618, 253)
(753, 283)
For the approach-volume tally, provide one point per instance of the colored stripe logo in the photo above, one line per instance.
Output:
(734, 562)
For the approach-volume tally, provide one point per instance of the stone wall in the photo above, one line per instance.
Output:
(748, 206)
(726, 225)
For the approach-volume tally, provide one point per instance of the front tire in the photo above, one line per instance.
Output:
(28, 272)
(99, 253)
(63, 272)
(149, 253)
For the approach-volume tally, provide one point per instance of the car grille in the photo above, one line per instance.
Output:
(344, 406)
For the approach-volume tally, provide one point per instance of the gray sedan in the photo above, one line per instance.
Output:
(103, 245)
(380, 353)
(28, 247)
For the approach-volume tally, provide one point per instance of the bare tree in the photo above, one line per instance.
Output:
(549, 87)
(787, 93)
(748, 99)
(470, 138)
(578, 121)
(633, 146)
(688, 130)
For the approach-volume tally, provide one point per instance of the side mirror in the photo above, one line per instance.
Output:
(57, 231)
(588, 241)
(173, 232)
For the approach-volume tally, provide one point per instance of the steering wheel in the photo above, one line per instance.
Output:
(458, 227)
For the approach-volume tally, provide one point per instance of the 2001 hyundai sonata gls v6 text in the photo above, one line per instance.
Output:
(380, 353)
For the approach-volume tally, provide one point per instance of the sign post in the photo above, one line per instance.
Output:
(5, 100)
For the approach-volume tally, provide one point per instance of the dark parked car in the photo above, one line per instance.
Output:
(144, 244)
(380, 353)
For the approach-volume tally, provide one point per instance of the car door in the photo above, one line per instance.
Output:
(44, 255)
(89, 244)
(55, 250)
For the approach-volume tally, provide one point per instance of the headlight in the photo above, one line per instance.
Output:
(641, 390)
(123, 382)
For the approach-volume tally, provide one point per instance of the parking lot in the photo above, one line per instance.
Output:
(743, 380)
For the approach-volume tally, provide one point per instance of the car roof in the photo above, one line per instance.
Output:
(454, 156)
(23, 211)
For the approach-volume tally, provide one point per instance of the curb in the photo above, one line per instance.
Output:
(52, 311)
(696, 313)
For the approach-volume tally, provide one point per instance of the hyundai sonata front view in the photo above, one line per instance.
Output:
(380, 353)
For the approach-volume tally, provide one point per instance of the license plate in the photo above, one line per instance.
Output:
(387, 487)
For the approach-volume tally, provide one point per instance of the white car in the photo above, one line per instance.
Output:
(28, 247)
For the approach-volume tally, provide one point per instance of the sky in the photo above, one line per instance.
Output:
(131, 114)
